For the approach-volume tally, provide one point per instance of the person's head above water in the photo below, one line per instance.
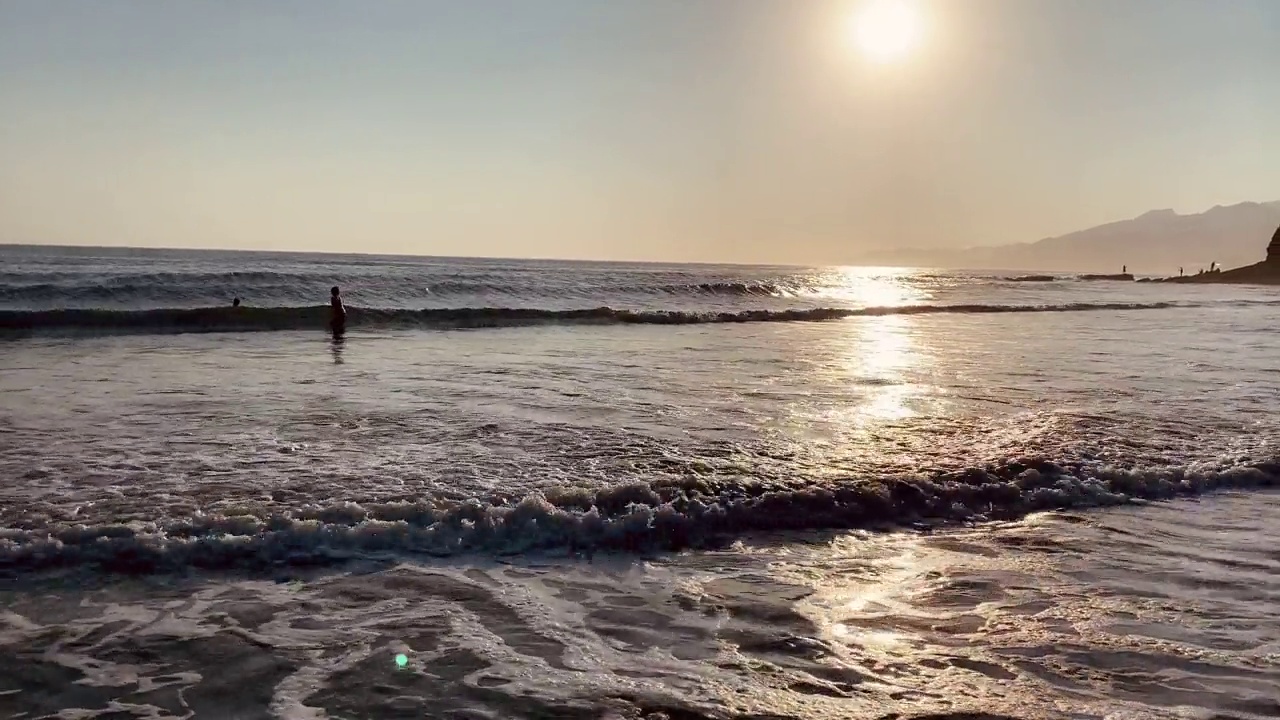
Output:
(334, 291)
(235, 302)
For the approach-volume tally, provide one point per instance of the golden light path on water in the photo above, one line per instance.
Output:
(881, 604)
(879, 355)
(872, 287)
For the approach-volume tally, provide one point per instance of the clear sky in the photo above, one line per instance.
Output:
(717, 130)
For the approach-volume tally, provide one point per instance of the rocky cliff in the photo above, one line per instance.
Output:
(1266, 272)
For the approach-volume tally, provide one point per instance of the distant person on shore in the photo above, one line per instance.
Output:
(1179, 272)
(1124, 269)
(337, 313)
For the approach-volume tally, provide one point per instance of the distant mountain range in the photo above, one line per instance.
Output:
(1160, 241)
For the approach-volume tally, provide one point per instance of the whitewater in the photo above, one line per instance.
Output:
(603, 490)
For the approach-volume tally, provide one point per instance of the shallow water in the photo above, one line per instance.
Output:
(1033, 514)
(1155, 613)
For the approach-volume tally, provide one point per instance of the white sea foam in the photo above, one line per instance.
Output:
(635, 517)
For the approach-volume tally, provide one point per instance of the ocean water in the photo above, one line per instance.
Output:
(534, 489)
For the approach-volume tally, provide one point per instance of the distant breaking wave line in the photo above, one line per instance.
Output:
(255, 319)
(54, 289)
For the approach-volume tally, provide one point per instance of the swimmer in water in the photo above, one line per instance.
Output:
(337, 313)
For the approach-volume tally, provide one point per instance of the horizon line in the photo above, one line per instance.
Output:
(63, 246)
(872, 252)
(912, 268)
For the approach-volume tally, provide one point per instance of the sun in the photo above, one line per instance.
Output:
(887, 31)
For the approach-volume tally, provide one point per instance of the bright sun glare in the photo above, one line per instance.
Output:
(887, 31)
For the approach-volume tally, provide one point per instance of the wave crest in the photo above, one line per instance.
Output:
(244, 319)
(637, 517)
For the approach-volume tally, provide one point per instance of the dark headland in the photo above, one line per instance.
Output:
(1266, 272)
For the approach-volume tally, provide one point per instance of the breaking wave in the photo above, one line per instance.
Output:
(1032, 278)
(740, 289)
(188, 290)
(658, 516)
(243, 319)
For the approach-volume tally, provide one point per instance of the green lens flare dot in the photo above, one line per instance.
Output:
(401, 660)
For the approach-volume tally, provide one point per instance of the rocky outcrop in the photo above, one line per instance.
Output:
(1266, 272)
(1120, 276)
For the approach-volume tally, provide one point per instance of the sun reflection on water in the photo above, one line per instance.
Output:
(873, 287)
(881, 359)
(865, 379)
(878, 362)
(867, 582)
(878, 353)
(881, 351)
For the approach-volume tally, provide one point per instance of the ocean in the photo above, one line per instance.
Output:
(542, 489)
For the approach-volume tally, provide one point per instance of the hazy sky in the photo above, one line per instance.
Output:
(729, 130)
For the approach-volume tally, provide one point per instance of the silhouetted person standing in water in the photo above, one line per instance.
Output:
(337, 314)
